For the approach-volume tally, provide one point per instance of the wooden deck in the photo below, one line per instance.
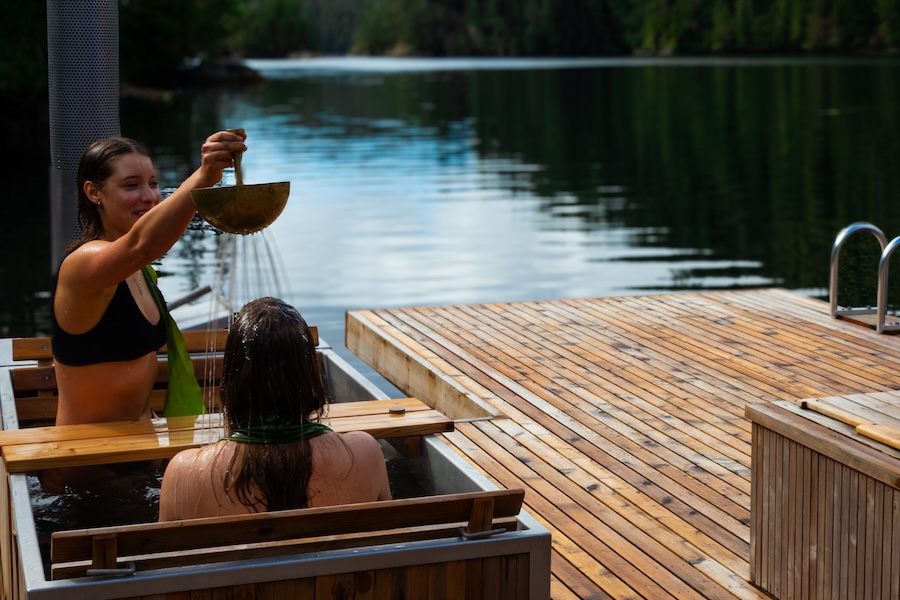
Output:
(624, 418)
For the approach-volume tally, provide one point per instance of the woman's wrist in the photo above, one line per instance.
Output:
(203, 178)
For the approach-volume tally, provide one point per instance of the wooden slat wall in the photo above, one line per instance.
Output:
(325, 527)
(494, 578)
(845, 525)
(624, 417)
(10, 566)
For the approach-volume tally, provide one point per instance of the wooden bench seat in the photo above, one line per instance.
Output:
(49, 447)
(196, 341)
(200, 541)
(36, 390)
(38, 448)
(37, 399)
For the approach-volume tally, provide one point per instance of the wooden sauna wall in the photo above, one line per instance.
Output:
(11, 584)
(820, 529)
(491, 578)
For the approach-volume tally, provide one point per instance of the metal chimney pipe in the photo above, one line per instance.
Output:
(83, 73)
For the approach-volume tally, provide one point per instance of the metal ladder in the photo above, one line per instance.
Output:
(880, 311)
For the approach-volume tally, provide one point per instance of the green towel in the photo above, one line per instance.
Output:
(183, 395)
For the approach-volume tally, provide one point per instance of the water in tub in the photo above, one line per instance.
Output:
(134, 498)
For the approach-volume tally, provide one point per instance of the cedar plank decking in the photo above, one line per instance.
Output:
(623, 418)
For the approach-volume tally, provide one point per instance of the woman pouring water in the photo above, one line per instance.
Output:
(108, 317)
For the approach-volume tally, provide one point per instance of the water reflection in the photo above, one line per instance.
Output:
(479, 186)
(438, 182)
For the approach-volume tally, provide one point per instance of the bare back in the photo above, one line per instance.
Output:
(346, 468)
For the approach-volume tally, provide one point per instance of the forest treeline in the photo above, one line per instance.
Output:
(599, 27)
(158, 38)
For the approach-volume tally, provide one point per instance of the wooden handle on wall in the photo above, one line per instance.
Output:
(830, 411)
(885, 434)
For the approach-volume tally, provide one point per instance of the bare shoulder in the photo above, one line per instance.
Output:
(185, 456)
(181, 461)
(174, 477)
(360, 439)
(185, 488)
(363, 446)
(352, 446)
(81, 255)
(82, 273)
(351, 469)
(193, 459)
(98, 265)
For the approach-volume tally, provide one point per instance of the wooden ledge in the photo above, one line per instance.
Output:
(52, 447)
(829, 437)
(195, 341)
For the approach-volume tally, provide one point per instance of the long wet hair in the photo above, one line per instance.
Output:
(97, 165)
(271, 377)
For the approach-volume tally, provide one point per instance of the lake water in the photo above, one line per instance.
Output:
(420, 182)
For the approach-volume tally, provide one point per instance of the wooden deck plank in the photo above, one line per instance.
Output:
(448, 389)
(570, 536)
(778, 342)
(632, 410)
(616, 487)
(777, 350)
(587, 392)
(679, 482)
(543, 480)
(715, 351)
(829, 354)
(669, 376)
(571, 584)
(840, 338)
(736, 388)
(620, 516)
(582, 387)
(563, 353)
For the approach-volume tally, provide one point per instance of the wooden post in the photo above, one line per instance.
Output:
(482, 517)
(104, 551)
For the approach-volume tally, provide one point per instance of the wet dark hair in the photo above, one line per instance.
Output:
(97, 165)
(271, 376)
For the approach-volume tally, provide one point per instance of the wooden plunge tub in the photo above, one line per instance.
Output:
(467, 540)
(825, 501)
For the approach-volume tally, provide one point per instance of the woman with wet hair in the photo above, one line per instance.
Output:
(108, 317)
(277, 454)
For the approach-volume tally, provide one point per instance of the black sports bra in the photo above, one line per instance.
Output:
(123, 333)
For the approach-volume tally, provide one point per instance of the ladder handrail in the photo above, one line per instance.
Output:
(842, 236)
(884, 270)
